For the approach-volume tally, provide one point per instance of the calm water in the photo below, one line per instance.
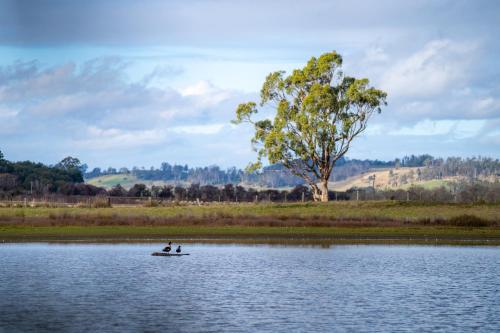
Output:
(237, 288)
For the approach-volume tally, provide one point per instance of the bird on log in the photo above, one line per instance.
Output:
(168, 247)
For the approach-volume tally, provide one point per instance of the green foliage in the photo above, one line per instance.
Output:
(69, 163)
(39, 178)
(27, 172)
(318, 112)
(139, 190)
(3, 163)
(110, 181)
(471, 221)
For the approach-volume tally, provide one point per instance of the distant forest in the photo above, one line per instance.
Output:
(276, 175)
(31, 177)
(67, 177)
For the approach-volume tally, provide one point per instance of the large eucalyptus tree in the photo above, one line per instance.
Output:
(318, 113)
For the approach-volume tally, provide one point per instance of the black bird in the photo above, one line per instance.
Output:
(168, 247)
(178, 249)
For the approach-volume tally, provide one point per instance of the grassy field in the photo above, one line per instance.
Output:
(382, 180)
(430, 184)
(368, 210)
(335, 220)
(161, 233)
(125, 180)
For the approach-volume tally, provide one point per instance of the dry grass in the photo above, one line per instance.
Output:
(218, 219)
(335, 220)
(381, 178)
(376, 210)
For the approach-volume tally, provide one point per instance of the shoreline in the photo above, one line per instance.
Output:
(414, 234)
(373, 221)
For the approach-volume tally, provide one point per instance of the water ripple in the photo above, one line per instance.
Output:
(234, 288)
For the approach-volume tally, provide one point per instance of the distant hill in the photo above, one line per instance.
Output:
(127, 180)
(385, 178)
(272, 176)
(423, 169)
(390, 178)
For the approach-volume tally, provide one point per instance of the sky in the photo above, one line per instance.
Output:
(137, 83)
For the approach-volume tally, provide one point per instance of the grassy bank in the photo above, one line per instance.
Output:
(336, 220)
(29, 233)
(394, 210)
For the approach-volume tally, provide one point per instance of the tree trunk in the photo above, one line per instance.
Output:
(320, 193)
(316, 192)
(324, 190)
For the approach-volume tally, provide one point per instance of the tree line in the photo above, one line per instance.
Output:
(214, 184)
(458, 192)
(277, 175)
(31, 177)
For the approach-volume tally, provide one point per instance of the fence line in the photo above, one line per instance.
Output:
(415, 195)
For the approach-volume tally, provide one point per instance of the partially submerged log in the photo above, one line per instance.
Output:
(163, 254)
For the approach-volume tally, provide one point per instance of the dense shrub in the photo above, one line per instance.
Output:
(118, 191)
(81, 189)
(139, 190)
(468, 221)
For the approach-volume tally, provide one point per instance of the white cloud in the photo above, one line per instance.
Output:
(198, 89)
(374, 129)
(486, 105)
(439, 66)
(9, 124)
(92, 109)
(115, 138)
(375, 54)
(97, 93)
(476, 105)
(462, 104)
(206, 92)
(424, 128)
(454, 129)
(198, 129)
(63, 104)
(7, 112)
(464, 129)
(170, 113)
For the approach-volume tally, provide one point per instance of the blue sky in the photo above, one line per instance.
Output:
(124, 83)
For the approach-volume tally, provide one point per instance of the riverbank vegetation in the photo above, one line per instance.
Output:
(368, 210)
(416, 234)
(335, 220)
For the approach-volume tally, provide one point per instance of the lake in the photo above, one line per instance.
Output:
(245, 288)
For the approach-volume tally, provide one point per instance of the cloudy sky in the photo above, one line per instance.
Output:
(124, 83)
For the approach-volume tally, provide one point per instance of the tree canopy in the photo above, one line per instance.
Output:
(37, 177)
(318, 113)
(69, 163)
